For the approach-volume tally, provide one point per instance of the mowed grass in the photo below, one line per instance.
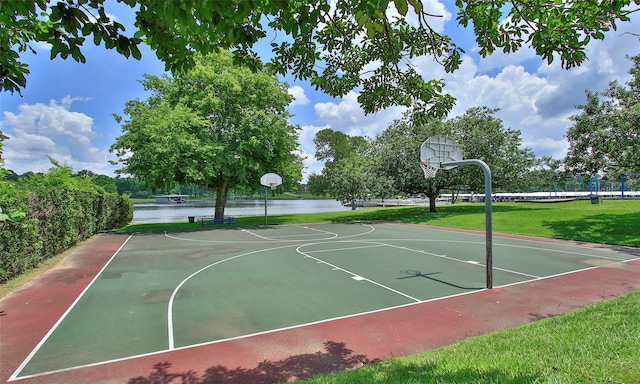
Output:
(595, 344)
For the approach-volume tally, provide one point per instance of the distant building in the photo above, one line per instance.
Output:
(171, 199)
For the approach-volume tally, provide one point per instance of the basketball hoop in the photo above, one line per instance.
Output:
(429, 171)
(437, 151)
(442, 152)
(271, 180)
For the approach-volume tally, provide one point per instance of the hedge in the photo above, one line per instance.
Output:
(56, 217)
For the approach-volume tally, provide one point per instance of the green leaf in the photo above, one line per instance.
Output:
(86, 29)
(417, 5)
(401, 6)
(135, 52)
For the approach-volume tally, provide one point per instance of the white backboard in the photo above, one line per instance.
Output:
(440, 149)
(271, 180)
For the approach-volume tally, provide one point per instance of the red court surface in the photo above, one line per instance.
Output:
(298, 353)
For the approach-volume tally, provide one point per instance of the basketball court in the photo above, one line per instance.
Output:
(333, 296)
(281, 303)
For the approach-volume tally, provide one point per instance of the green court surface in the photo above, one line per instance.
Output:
(163, 292)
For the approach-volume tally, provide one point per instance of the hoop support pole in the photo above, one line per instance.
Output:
(487, 211)
(266, 194)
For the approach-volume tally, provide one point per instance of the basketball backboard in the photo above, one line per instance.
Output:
(440, 149)
(271, 180)
(437, 150)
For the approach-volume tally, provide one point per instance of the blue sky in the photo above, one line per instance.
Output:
(66, 111)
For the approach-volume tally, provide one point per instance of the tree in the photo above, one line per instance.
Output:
(367, 45)
(479, 133)
(318, 184)
(217, 126)
(345, 169)
(484, 137)
(605, 136)
(3, 172)
(546, 173)
(350, 180)
(396, 157)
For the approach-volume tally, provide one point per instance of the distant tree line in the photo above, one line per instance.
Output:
(137, 189)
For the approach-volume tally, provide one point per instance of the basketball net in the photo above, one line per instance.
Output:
(429, 171)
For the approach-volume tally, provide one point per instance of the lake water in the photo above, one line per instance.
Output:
(162, 213)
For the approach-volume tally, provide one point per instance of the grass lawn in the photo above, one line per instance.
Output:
(595, 344)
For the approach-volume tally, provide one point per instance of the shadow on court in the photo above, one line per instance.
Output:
(336, 357)
(412, 274)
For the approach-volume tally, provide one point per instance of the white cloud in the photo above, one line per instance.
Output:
(440, 14)
(299, 98)
(348, 117)
(539, 102)
(307, 147)
(36, 131)
(344, 116)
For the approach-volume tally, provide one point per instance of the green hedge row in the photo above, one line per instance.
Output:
(57, 214)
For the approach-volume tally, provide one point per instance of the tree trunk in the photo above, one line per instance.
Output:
(432, 201)
(221, 200)
(353, 204)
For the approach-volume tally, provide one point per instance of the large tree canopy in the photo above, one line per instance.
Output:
(218, 126)
(484, 137)
(396, 157)
(605, 136)
(367, 45)
(396, 154)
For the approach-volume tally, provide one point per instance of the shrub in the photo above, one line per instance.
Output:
(46, 214)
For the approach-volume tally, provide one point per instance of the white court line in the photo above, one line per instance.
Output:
(281, 238)
(297, 326)
(273, 239)
(175, 291)
(569, 272)
(336, 268)
(64, 315)
(333, 234)
(376, 244)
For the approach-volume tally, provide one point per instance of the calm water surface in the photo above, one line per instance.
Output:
(162, 213)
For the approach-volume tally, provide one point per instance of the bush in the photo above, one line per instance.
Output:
(59, 210)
